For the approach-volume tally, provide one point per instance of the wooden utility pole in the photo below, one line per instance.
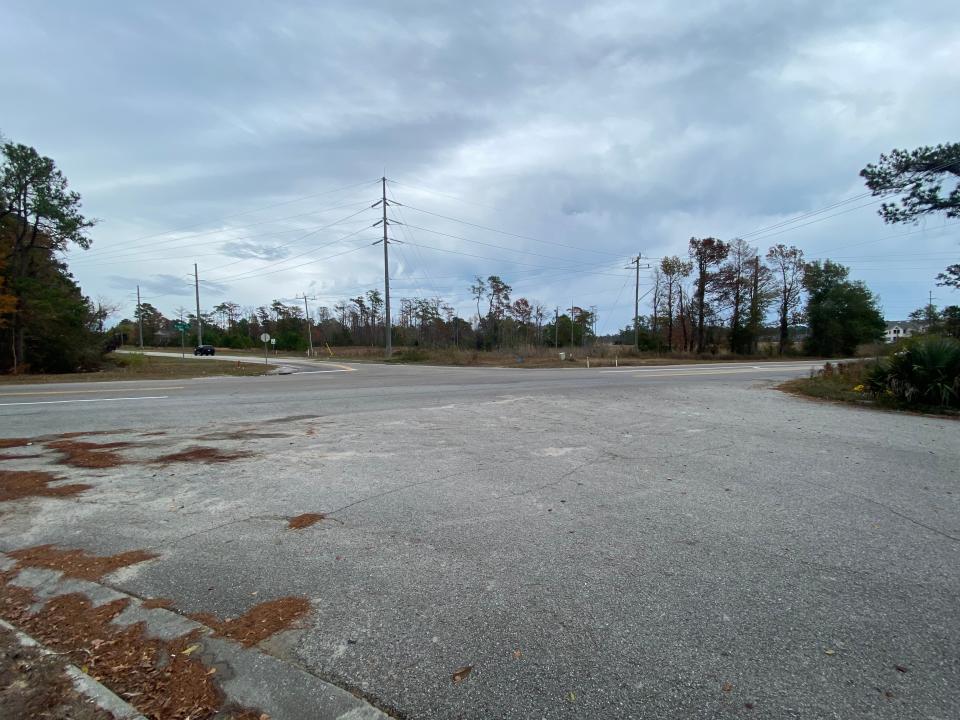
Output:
(635, 262)
(306, 313)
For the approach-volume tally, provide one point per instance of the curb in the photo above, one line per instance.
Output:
(100, 694)
(250, 677)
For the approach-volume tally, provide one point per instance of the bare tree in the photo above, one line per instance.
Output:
(787, 265)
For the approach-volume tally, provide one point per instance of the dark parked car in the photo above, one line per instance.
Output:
(204, 350)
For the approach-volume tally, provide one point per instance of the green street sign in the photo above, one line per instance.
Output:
(181, 326)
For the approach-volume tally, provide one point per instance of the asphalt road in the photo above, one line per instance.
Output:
(665, 542)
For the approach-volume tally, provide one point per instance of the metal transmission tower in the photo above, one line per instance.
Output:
(388, 345)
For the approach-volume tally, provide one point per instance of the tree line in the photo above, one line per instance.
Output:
(716, 297)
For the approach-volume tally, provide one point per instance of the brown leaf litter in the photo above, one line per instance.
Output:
(17, 484)
(162, 679)
(14, 442)
(305, 520)
(259, 622)
(153, 675)
(13, 456)
(34, 684)
(76, 563)
(201, 454)
(93, 455)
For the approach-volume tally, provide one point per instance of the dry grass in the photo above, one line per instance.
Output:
(532, 357)
(144, 367)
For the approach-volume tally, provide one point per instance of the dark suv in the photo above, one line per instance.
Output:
(204, 350)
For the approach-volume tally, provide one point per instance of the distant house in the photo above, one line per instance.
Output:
(899, 329)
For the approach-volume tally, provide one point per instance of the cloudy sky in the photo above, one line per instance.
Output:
(248, 137)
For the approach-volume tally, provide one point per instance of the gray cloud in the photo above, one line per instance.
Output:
(611, 126)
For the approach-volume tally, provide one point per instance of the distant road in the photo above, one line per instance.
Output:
(320, 387)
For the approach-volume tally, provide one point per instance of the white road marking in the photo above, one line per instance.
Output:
(85, 400)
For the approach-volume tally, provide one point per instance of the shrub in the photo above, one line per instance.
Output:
(925, 372)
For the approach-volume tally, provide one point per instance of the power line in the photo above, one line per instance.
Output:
(254, 210)
(190, 240)
(502, 260)
(510, 234)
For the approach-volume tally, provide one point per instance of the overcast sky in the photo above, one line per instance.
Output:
(222, 133)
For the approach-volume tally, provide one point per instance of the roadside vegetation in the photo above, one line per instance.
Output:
(921, 374)
(134, 366)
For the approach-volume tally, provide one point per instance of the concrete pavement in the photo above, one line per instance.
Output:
(665, 542)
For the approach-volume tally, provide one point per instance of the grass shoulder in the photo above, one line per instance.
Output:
(912, 380)
(134, 366)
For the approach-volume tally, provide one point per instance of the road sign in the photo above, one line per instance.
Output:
(265, 337)
(273, 341)
(181, 326)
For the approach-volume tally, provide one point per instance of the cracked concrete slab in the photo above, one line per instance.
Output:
(638, 543)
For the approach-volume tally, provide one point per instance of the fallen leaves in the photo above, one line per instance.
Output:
(17, 484)
(305, 520)
(460, 674)
(77, 563)
(259, 622)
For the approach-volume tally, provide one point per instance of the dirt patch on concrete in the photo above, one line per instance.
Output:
(89, 455)
(305, 520)
(259, 622)
(77, 563)
(17, 484)
(201, 454)
(34, 684)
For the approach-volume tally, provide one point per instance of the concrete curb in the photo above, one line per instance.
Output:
(100, 694)
(248, 676)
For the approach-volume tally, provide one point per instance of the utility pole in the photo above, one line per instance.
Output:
(386, 272)
(556, 327)
(196, 288)
(140, 317)
(636, 302)
(306, 312)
